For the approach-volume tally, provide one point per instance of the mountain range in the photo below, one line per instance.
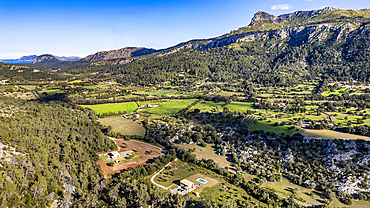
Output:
(323, 44)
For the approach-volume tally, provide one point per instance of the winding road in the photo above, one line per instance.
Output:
(155, 175)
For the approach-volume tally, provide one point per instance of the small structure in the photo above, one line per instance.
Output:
(115, 155)
(203, 181)
(187, 185)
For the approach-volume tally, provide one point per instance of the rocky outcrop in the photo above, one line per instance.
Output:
(263, 16)
(120, 53)
(303, 32)
(295, 36)
(45, 59)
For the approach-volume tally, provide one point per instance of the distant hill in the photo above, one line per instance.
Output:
(119, 53)
(30, 58)
(45, 59)
(69, 58)
(21, 73)
(27, 58)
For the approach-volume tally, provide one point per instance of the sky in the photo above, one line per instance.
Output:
(80, 28)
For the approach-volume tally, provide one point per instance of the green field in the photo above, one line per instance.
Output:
(100, 85)
(180, 171)
(123, 125)
(52, 92)
(291, 117)
(112, 107)
(28, 87)
(208, 106)
(336, 92)
(163, 92)
(240, 106)
(340, 118)
(267, 126)
(167, 106)
(74, 81)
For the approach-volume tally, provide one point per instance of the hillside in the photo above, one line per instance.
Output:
(279, 51)
(45, 59)
(26, 73)
(119, 53)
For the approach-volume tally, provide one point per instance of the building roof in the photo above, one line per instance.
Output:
(186, 182)
(115, 153)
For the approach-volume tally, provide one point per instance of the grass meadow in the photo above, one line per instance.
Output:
(52, 92)
(266, 125)
(336, 92)
(208, 106)
(240, 106)
(177, 171)
(163, 92)
(112, 107)
(167, 106)
(207, 152)
(123, 125)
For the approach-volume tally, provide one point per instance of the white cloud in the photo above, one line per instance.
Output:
(281, 6)
(308, 0)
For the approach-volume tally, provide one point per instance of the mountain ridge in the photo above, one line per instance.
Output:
(118, 53)
(286, 50)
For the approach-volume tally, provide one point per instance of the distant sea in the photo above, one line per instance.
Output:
(15, 62)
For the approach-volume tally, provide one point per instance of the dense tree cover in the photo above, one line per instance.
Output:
(23, 74)
(217, 98)
(54, 141)
(304, 162)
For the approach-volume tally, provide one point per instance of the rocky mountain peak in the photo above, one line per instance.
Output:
(261, 16)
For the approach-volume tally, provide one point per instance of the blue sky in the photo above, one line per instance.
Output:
(67, 28)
